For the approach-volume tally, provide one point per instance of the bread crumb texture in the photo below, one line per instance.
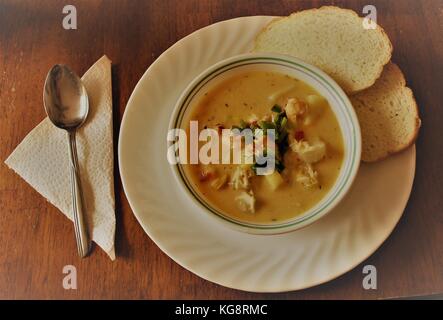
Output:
(332, 39)
(388, 115)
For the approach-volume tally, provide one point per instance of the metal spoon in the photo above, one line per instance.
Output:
(66, 104)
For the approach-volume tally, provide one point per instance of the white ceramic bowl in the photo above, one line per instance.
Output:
(298, 69)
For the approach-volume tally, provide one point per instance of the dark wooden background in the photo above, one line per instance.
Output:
(36, 241)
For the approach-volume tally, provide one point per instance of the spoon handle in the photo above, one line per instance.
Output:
(81, 232)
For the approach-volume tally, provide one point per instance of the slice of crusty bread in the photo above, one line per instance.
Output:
(388, 115)
(332, 39)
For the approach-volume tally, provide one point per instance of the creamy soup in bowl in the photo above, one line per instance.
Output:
(269, 144)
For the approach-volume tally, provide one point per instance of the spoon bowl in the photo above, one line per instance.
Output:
(65, 98)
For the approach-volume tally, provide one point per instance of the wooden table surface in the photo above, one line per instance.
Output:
(37, 241)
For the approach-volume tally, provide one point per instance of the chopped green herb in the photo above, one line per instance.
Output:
(279, 165)
(283, 122)
(266, 125)
(276, 108)
(281, 137)
(277, 119)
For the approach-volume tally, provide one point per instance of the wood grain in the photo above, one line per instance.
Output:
(37, 241)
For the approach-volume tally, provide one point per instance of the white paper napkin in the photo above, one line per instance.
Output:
(42, 159)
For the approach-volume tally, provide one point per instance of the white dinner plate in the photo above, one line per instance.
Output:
(318, 253)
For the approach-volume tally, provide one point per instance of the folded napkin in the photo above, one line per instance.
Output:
(42, 160)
